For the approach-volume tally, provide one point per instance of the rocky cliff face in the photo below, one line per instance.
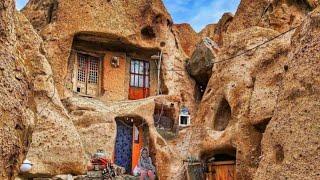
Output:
(140, 24)
(187, 37)
(116, 24)
(260, 106)
(16, 110)
(280, 15)
(248, 107)
(290, 145)
(35, 125)
(238, 99)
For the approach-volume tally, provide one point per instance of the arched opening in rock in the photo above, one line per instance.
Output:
(110, 68)
(164, 120)
(148, 32)
(223, 116)
(227, 153)
(132, 136)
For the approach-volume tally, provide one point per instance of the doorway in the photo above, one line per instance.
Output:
(131, 137)
(222, 167)
(223, 170)
(139, 79)
(88, 75)
(123, 147)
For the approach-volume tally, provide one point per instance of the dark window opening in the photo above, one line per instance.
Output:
(184, 120)
(223, 116)
(164, 120)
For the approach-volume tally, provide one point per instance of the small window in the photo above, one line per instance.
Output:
(139, 74)
(184, 117)
(184, 120)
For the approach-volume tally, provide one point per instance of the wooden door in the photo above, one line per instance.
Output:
(139, 79)
(123, 147)
(88, 75)
(93, 76)
(137, 145)
(221, 171)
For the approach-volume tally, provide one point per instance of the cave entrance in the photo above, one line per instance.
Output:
(132, 136)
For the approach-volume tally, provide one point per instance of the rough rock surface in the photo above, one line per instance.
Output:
(187, 37)
(142, 24)
(41, 127)
(261, 106)
(217, 31)
(208, 31)
(16, 112)
(233, 95)
(280, 15)
(221, 28)
(290, 145)
(201, 62)
(54, 135)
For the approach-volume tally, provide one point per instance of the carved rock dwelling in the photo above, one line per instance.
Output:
(239, 100)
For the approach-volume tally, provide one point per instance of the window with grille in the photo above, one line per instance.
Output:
(139, 74)
(93, 70)
(82, 68)
(88, 73)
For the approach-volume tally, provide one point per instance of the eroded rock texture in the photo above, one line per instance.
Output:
(208, 31)
(280, 15)
(16, 112)
(238, 98)
(33, 122)
(54, 135)
(118, 25)
(201, 62)
(187, 37)
(290, 144)
(260, 106)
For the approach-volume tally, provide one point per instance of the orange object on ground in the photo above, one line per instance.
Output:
(136, 147)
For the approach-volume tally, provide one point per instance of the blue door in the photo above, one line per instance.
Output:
(123, 151)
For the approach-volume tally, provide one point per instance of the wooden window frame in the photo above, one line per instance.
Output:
(145, 74)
